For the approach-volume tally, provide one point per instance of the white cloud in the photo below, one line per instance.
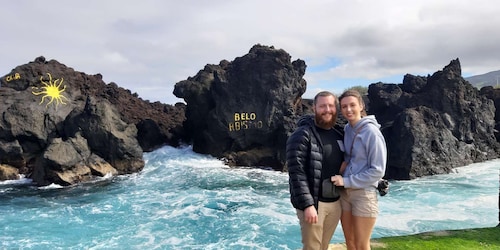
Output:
(148, 46)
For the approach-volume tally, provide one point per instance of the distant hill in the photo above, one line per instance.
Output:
(488, 79)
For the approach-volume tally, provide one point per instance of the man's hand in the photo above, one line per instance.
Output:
(311, 215)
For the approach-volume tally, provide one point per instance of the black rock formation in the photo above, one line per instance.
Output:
(243, 110)
(433, 124)
(494, 94)
(62, 126)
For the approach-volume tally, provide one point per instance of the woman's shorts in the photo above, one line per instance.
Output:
(361, 202)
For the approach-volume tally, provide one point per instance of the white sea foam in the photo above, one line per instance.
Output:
(51, 186)
(21, 181)
(464, 199)
(184, 200)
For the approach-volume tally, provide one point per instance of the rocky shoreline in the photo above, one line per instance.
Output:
(63, 126)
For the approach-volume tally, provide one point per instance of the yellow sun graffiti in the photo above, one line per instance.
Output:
(51, 90)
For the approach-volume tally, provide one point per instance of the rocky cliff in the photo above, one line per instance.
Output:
(243, 110)
(494, 94)
(433, 124)
(62, 126)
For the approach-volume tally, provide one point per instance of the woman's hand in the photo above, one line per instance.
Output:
(343, 167)
(337, 180)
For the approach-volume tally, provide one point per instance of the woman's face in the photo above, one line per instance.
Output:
(351, 109)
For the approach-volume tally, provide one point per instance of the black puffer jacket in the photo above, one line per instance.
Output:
(304, 155)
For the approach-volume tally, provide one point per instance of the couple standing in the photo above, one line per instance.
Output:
(334, 176)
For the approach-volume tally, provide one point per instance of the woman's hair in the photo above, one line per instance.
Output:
(355, 93)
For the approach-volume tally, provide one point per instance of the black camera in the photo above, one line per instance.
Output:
(383, 187)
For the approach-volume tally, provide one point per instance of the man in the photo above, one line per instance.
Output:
(314, 153)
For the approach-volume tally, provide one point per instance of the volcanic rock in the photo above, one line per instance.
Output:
(494, 94)
(433, 124)
(62, 126)
(8, 173)
(244, 110)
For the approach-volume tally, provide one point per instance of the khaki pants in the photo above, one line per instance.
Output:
(318, 236)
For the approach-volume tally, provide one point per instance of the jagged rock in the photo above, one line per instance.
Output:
(167, 119)
(494, 94)
(244, 110)
(8, 173)
(62, 126)
(433, 124)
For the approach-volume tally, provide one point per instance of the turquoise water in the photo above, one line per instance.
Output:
(183, 200)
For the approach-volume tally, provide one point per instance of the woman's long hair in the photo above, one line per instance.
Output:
(355, 93)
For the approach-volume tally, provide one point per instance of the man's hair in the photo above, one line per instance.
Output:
(357, 95)
(323, 94)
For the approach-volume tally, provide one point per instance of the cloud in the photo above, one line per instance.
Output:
(147, 46)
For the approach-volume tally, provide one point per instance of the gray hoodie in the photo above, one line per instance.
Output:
(367, 162)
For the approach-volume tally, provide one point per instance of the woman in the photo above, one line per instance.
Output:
(366, 156)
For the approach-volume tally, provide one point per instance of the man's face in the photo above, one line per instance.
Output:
(325, 112)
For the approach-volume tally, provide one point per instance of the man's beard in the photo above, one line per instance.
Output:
(325, 123)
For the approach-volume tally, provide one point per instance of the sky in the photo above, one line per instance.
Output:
(147, 46)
